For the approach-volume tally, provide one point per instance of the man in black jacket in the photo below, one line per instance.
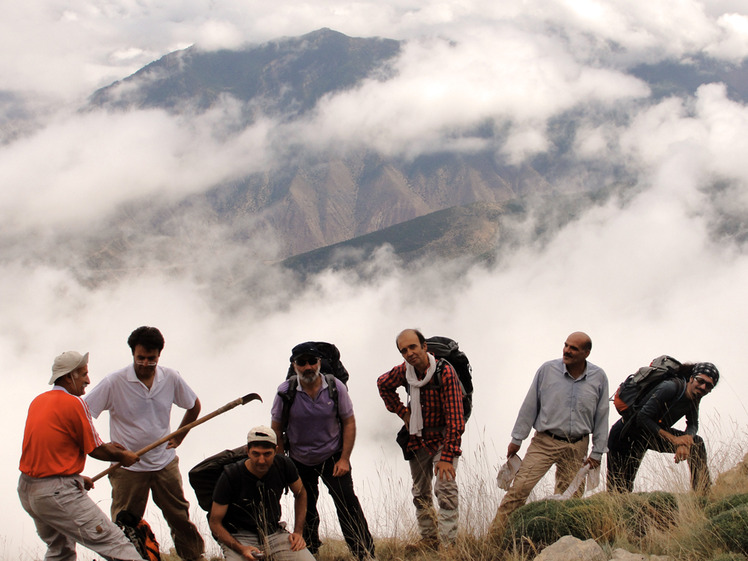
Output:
(651, 428)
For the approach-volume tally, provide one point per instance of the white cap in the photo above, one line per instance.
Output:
(262, 434)
(66, 363)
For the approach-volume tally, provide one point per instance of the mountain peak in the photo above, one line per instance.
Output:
(284, 77)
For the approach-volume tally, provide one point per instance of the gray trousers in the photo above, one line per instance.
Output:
(64, 514)
(432, 526)
(276, 547)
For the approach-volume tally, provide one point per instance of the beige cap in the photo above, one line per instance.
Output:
(66, 363)
(262, 434)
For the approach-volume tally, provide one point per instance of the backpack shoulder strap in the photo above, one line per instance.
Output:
(437, 379)
(681, 385)
(332, 389)
(288, 396)
(281, 464)
(233, 471)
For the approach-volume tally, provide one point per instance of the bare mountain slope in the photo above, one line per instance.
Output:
(306, 199)
(311, 200)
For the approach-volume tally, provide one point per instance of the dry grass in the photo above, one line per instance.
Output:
(676, 523)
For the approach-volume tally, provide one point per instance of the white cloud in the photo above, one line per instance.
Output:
(83, 166)
(642, 280)
(444, 90)
(667, 25)
(69, 49)
(219, 34)
(704, 137)
(644, 275)
(734, 44)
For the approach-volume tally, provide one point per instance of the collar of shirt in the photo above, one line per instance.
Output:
(582, 376)
(133, 377)
(322, 387)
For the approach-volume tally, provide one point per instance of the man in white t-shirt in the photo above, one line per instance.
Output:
(139, 398)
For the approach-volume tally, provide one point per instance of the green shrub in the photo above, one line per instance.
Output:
(729, 557)
(725, 504)
(731, 527)
(601, 517)
(592, 518)
(541, 522)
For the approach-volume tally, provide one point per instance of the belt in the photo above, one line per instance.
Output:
(564, 438)
(31, 479)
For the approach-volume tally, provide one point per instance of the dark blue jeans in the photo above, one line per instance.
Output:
(350, 515)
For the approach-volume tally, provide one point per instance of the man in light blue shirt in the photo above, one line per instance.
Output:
(567, 401)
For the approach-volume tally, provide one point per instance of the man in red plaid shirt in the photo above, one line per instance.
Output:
(435, 422)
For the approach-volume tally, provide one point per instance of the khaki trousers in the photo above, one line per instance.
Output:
(543, 452)
(130, 492)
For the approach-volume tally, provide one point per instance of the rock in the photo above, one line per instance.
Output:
(623, 555)
(569, 548)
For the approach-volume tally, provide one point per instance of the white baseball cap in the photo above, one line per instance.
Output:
(262, 434)
(66, 363)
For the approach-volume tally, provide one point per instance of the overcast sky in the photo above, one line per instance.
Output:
(650, 272)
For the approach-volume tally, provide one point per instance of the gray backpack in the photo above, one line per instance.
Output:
(630, 395)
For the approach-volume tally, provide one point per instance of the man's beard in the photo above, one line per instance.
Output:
(307, 377)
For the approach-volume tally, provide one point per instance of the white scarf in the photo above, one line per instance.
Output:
(416, 415)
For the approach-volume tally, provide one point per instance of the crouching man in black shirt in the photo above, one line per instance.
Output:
(651, 428)
(246, 511)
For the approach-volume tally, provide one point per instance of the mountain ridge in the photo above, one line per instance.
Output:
(316, 200)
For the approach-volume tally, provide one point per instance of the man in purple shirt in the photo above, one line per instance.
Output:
(320, 429)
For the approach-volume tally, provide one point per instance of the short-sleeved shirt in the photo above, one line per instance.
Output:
(314, 431)
(59, 433)
(254, 503)
(139, 416)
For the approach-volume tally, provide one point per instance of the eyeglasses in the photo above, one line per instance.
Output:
(700, 381)
(304, 361)
(146, 362)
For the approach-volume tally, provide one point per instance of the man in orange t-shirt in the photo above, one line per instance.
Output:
(59, 434)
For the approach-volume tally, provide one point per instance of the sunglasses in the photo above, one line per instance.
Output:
(304, 361)
(700, 381)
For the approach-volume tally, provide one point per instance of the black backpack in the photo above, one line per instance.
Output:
(448, 349)
(140, 534)
(632, 392)
(331, 368)
(204, 476)
(330, 362)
